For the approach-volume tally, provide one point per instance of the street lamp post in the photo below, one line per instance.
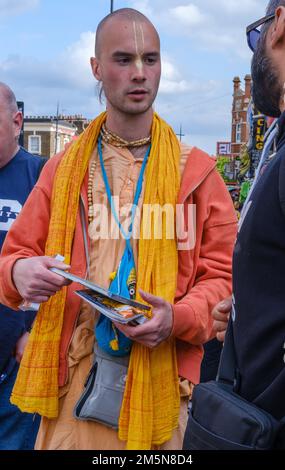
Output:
(112, 6)
(56, 129)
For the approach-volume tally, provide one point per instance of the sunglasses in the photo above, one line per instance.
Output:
(253, 33)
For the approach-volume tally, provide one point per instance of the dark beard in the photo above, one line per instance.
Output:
(266, 89)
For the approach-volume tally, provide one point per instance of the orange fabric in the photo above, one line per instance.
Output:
(204, 276)
(66, 432)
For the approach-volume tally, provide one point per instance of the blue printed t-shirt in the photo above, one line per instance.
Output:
(17, 180)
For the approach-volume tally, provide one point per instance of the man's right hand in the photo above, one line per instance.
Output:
(34, 280)
(221, 314)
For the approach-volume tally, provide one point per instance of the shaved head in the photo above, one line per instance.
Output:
(10, 124)
(7, 98)
(128, 14)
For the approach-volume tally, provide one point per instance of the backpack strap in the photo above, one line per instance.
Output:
(281, 184)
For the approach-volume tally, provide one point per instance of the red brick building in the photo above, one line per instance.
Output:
(241, 100)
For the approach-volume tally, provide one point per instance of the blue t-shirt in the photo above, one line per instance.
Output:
(17, 180)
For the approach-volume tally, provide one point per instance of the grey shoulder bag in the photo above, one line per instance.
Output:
(104, 388)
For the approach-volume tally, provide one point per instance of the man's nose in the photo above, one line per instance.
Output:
(138, 72)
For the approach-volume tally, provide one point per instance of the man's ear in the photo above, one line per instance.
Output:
(18, 121)
(277, 33)
(95, 68)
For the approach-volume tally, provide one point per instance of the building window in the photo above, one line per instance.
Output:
(238, 105)
(34, 145)
(238, 133)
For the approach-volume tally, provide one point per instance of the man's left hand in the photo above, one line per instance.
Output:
(155, 330)
(20, 346)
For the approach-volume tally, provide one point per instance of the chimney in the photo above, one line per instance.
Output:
(247, 80)
(236, 81)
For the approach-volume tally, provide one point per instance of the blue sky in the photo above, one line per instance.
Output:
(45, 47)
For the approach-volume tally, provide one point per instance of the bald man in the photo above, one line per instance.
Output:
(18, 174)
(131, 154)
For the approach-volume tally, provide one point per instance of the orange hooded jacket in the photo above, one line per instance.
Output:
(204, 275)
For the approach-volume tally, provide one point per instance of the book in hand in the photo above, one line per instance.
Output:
(117, 308)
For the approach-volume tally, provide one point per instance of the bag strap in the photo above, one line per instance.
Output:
(228, 361)
(84, 230)
(281, 185)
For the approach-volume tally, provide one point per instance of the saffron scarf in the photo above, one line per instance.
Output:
(150, 407)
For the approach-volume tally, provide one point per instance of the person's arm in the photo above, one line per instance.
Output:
(193, 322)
(23, 275)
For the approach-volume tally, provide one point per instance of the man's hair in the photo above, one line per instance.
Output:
(273, 4)
(9, 98)
(124, 13)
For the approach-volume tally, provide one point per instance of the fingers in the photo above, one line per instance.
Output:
(151, 299)
(126, 329)
(220, 327)
(38, 299)
(18, 357)
(220, 316)
(221, 336)
(20, 346)
(149, 334)
(53, 278)
(136, 333)
(225, 305)
(132, 333)
(48, 278)
(54, 263)
(222, 310)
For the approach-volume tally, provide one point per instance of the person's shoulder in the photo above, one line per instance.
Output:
(48, 171)
(33, 162)
(25, 155)
(194, 152)
(193, 158)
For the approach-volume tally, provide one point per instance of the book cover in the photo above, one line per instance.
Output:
(117, 308)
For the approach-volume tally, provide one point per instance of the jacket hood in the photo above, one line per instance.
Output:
(198, 166)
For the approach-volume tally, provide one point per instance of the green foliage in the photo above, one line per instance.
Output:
(221, 164)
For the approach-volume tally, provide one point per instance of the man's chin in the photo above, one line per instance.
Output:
(138, 108)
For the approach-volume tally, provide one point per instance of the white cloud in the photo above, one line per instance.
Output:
(238, 7)
(77, 60)
(211, 25)
(190, 15)
(173, 83)
(15, 7)
(68, 79)
(143, 6)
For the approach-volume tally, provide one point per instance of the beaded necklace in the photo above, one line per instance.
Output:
(111, 138)
(116, 141)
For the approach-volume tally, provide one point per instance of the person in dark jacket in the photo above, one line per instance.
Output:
(258, 303)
